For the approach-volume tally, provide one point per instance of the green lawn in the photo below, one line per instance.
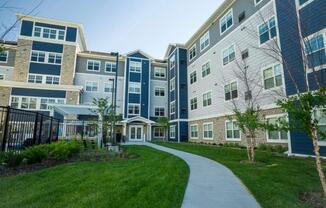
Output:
(155, 179)
(275, 182)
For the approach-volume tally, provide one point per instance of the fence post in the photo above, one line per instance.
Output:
(50, 133)
(40, 130)
(83, 129)
(5, 132)
(58, 129)
(35, 129)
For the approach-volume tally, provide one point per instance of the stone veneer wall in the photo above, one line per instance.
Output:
(5, 93)
(219, 130)
(23, 54)
(68, 65)
(72, 97)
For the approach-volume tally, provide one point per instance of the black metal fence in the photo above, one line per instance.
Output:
(20, 129)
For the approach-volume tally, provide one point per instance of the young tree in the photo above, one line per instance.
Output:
(165, 123)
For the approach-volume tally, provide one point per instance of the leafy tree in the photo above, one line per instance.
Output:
(165, 123)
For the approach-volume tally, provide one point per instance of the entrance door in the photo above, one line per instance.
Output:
(136, 133)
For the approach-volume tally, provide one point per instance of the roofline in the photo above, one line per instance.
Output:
(55, 21)
(177, 45)
(218, 12)
(142, 52)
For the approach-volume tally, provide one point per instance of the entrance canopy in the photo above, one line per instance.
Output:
(85, 110)
(137, 119)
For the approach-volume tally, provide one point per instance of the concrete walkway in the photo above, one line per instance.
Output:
(210, 183)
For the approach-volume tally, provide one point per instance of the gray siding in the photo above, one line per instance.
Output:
(152, 72)
(214, 31)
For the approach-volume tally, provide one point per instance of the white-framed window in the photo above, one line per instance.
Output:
(204, 41)
(315, 50)
(231, 91)
(159, 132)
(172, 84)
(159, 72)
(257, 2)
(2, 76)
(193, 77)
(33, 78)
(53, 80)
(93, 65)
(208, 131)
(55, 58)
(207, 99)
(172, 62)
(134, 87)
(303, 3)
(320, 117)
(228, 55)
(276, 135)
(193, 103)
(172, 131)
(49, 33)
(159, 92)
(47, 103)
(172, 107)
(34, 103)
(232, 131)
(110, 66)
(91, 86)
(38, 56)
(135, 66)
(272, 77)
(226, 21)
(205, 69)
(15, 102)
(159, 111)
(108, 87)
(46, 57)
(267, 30)
(43, 79)
(194, 131)
(134, 109)
(4, 56)
(192, 52)
(28, 103)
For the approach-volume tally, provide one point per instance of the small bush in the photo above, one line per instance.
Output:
(272, 148)
(262, 147)
(11, 159)
(280, 149)
(64, 150)
(36, 154)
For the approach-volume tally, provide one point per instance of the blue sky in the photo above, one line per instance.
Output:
(123, 25)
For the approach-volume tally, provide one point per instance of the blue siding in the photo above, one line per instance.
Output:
(126, 90)
(50, 69)
(145, 89)
(49, 47)
(134, 98)
(135, 77)
(320, 76)
(138, 55)
(173, 94)
(71, 35)
(60, 27)
(183, 81)
(38, 93)
(26, 28)
(183, 131)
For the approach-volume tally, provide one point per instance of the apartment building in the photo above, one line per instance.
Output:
(197, 84)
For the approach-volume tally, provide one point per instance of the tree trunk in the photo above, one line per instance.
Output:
(318, 160)
(249, 149)
(253, 144)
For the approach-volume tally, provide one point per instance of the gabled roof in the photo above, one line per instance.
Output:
(140, 52)
(139, 119)
(171, 47)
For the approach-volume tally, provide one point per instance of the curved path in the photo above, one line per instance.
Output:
(210, 183)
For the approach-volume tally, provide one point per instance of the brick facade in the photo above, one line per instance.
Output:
(68, 65)
(5, 96)
(23, 54)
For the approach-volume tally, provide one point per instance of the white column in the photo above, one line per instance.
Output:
(124, 134)
(149, 132)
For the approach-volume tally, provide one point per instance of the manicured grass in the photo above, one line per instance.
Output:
(155, 179)
(275, 181)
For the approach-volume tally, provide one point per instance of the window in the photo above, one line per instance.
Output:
(205, 70)
(245, 54)
(159, 91)
(37, 31)
(172, 132)
(267, 30)
(204, 41)
(159, 132)
(2, 77)
(159, 111)
(134, 87)
(108, 87)
(232, 131)
(93, 65)
(276, 136)
(33, 103)
(172, 107)
(35, 78)
(194, 131)
(303, 3)
(49, 33)
(172, 84)
(193, 77)
(54, 58)
(207, 99)
(320, 116)
(172, 62)
(54, 80)
(192, 53)
(46, 103)
(228, 55)
(193, 103)
(4, 57)
(135, 66)
(61, 35)
(15, 102)
(273, 77)
(226, 21)
(208, 131)
(257, 2)
(110, 67)
(91, 86)
(242, 16)
(159, 72)
(315, 50)
(231, 91)
(133, 109)
(28, 103)
(38, 56)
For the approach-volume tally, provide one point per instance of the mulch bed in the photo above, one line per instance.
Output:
(316, 200)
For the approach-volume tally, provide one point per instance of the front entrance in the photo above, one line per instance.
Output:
(136, 133)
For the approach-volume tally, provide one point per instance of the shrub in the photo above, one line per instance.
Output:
(36, 154)
(64, 150)
(280, 149)
(262, 147)
(11, 159)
